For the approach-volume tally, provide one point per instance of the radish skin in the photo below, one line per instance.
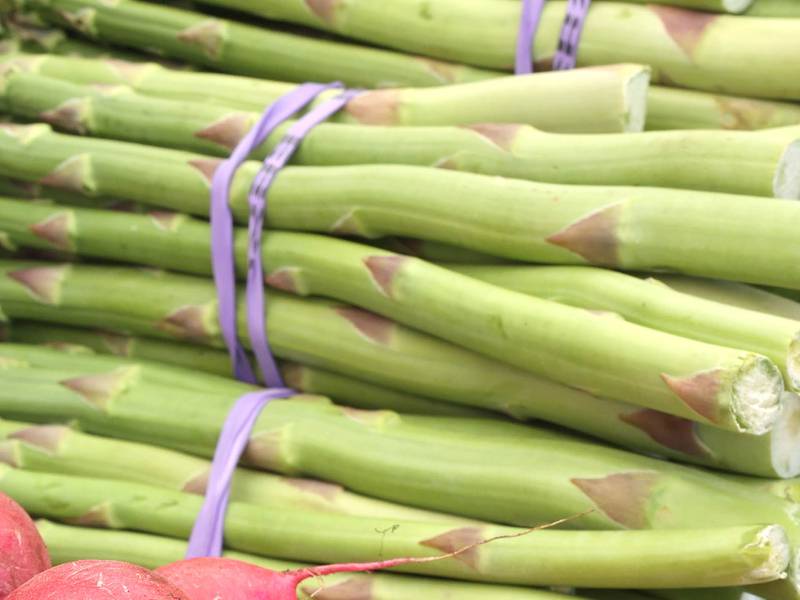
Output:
(22, 550)
(97, 580)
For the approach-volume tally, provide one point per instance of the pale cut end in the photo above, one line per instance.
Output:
(786, 183)
(785, 438)
(757, 395)
(779, 558)
(736, 6)
(636, 101)
(793, 363)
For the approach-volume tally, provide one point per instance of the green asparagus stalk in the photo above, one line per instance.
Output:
(59, 449)
(735, 294)
(124, 396)
(714, 235)
(654, 305)
(239, 48)
(704, 557)
(774, 8)
(685, 48)
(68, 543)
(473, 380)
(618, 95)
(735, 162)
(673, 108)
(731, 389)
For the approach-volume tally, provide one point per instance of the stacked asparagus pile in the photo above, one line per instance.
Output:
(503, 301)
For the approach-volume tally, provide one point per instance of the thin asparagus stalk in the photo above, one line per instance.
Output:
(652, 304)
(59, 449)
(685, 48)
(461, 377)
(238, 48)
(740, 238)
(731, 389)
(424, 453)
(67, 543)
(704, 557)
(619, 95)
(735, 162)
(735, 294)
(673, 108)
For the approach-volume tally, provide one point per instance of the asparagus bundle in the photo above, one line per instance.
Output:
(734, 162)
(238, 48)
(685, 48)
(68, 543)
(59, 449)
(618, 95)
(732, 389)
(741, 238)
(703, 557)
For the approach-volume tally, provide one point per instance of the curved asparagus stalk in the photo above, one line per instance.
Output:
(619, 95)
(127, 400)
(68, 543)
(627, 228)
(702, 557)
(239, 48)
(734, 162)
(735, 294)
(731, 389)
(59, 449)
(460, 377)
(672, 108)
(652, 304)
(685, 48)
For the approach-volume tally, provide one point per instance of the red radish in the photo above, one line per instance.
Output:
(97, 580)
(22, 550)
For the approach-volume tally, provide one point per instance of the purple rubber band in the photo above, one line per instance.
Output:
(222, 251)
(569, 39)
(208, 532)
(207, 535)
(258, 194)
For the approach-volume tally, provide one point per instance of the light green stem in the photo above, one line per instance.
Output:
(702, 557)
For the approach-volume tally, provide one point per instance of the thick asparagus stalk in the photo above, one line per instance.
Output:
(731, 237)
(731, 389)
(67, 543)
(59, 449)
(619, 95)
(774, 8)
(735, 162)
(735, 294)
(685, 48)
(463, 377)
(238, 48)
(576, 473)
(652, 304)
(673, 108)
(701, 558)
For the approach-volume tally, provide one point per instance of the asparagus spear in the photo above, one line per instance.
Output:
(701, 558)
(655, 305)
(406, 361)
(618, 95)
(731, 237)
(297, 437)
(672, 108)
(59, 449)
(68, 543)
(685, 48)
(731, 389)
(238, 48)
(735, 162)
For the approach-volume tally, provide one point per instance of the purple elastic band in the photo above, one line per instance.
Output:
(569, 40)
(207, 535)
(258, 194)
(222, 252)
